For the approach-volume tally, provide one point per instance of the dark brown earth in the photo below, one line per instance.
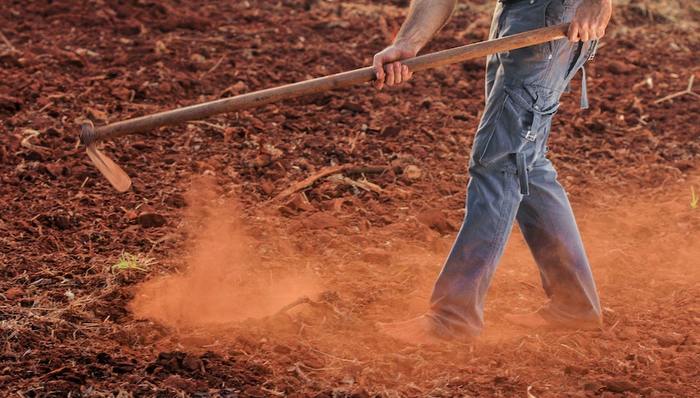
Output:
(67, 321)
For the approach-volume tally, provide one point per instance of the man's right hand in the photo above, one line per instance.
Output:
(389, 69)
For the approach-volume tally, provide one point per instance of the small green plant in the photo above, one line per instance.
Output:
(694, 199)
(128, 261)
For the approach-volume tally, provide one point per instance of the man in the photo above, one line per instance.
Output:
(510, 175)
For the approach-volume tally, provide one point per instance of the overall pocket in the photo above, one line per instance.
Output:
(522, 125)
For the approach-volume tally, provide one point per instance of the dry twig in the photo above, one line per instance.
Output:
(687, 91)
(310, 180)
(26, 144)
(273, 392)
(301, 373)
(7, 42)
(354, 360)
(365, 185)
(213, 68)
(299, 301)
(529, 393)
(325, 172)
(217, 127)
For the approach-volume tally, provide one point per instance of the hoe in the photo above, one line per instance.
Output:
(91, 135)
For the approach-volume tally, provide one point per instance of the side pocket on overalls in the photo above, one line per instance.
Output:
(520, 131)
(540, 105)
(522, 122)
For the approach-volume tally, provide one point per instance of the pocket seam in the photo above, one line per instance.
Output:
(491, 132)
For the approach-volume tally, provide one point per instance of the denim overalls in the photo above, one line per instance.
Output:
(512, 179)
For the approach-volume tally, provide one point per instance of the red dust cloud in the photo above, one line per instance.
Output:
(225, 280)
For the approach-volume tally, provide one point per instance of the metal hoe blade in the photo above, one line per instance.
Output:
(112, 172)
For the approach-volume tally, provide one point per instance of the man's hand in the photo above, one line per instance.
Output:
(590, 21)
(425, 18)
(396, 72)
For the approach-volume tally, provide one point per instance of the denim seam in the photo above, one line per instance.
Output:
(492, 131)
(544, 216)
(502, 221)
(550, 44)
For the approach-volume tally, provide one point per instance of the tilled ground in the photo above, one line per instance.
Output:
(373, 235)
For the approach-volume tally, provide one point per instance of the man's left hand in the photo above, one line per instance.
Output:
(590, 21)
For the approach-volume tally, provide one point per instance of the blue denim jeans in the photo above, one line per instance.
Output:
(512, 179)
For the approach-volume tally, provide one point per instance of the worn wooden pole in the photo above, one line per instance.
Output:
(318, 85)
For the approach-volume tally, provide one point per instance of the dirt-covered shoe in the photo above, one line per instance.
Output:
(416, 331)
(535, 320)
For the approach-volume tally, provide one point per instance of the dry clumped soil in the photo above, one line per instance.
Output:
(255, 295)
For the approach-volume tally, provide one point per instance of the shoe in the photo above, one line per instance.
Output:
(416, 331)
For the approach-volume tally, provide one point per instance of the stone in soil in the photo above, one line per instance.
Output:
(150, 220)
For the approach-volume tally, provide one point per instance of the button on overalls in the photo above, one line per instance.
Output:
(512, 179)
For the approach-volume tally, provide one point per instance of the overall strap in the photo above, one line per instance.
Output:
(522, 173)
(584, 89)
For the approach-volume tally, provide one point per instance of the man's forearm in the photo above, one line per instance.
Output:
(424, 19)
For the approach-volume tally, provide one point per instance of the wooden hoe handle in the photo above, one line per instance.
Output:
(120, 180)
(319, 85)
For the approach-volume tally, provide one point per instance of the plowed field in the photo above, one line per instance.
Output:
(238, 292)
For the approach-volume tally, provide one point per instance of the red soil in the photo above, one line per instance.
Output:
(204, 319)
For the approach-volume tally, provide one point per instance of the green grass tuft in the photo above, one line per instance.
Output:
(128, 261)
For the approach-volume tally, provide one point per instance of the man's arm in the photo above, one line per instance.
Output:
(424, 19)
(590, 21)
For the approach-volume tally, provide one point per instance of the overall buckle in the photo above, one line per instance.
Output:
(530, 136)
